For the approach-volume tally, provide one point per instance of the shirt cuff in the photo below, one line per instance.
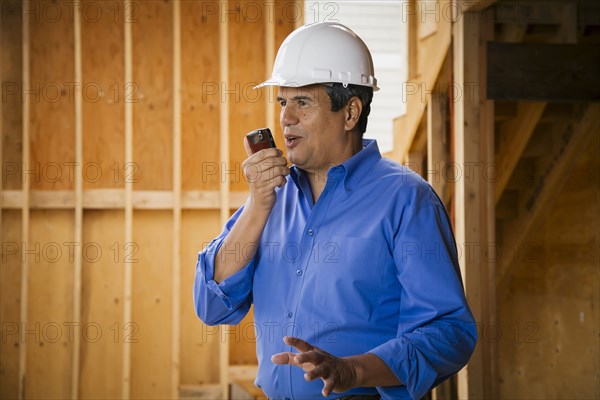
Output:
(234, 289)
(409, 365)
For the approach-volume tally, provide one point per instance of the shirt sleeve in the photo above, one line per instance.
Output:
(436, 332)
(226, 302)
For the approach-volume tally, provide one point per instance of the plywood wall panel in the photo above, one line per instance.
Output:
(199, 343)
(102, 304)
(12, 80)
(242, 341)
(152, 95)
(151, 305)
(200, 96)
(246, 69)
(103, 90)
(548, 322)
(52, 88)
(10, 300)
(50, 305)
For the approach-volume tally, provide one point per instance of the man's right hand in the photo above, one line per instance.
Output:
(264, 171)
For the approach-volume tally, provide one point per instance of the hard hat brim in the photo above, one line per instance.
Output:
(282, 83)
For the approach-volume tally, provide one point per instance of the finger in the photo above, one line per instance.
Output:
(266, 153)
(312, 357)
(298, 343)
(257, 164)
(261, 155)
(281, 181)
(328, 386)
(277, 163)
(316, 372)
(247, 147)
(284, 358)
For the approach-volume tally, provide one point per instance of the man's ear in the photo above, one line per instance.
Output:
(353, 112)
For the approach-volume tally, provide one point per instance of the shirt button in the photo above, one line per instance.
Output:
(299, 272)
(348, 189)
(289, 314)
(310, 232)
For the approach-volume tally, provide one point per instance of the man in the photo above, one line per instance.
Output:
(348, 258)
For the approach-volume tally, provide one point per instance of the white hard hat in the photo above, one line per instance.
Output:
(324, 52)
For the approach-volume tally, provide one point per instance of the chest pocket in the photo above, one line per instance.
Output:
(356, 270)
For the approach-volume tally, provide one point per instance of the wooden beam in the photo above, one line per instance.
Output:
(577, 135)
(476, 5)
(512, 33)
(78, 231)
(176, 238)
(401, 139)
(515, 134)
(471, 148)
(535, 12)
(543, 72)
(488, 218)
(224, 159)
(568, 25)
(242, 372)
(413, 40)
(127, 272)
(437, 148)
(415, 90)
(107, 199)
(415, 161)
(270, 60)
(463, 152)
(201, 392)
(25, 200)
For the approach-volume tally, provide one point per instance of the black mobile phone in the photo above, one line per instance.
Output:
(260, 139)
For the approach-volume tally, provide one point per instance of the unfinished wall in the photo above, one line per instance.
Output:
(125, 117)
(548, 319)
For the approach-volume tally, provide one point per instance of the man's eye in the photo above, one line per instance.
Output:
(282, 103)
(302, 102)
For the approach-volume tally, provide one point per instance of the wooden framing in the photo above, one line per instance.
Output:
(473, 216)
(477, 5)
(77, 265)
(224, 186)
(24, 205)
(428, 63)
(571, 67)
(488, 217)
(436, 143)
(516, 133)
(467, 194)
(176, 241)
(190, 78)
(128, 234)
(577, 135)
(98, 199)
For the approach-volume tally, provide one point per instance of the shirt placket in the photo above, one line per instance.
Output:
(307, 244)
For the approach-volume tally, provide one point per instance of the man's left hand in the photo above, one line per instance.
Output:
(338, 374)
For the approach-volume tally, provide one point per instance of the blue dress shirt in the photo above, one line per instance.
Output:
(371, 267)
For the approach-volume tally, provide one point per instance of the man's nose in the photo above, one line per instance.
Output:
(288, 116)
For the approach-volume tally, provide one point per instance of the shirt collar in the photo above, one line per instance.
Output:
(352, 169)
(358, 165)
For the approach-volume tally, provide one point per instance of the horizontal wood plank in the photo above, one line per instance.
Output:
(100, 199)
(551, 72)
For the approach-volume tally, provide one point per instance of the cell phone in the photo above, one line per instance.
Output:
(260, 139)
